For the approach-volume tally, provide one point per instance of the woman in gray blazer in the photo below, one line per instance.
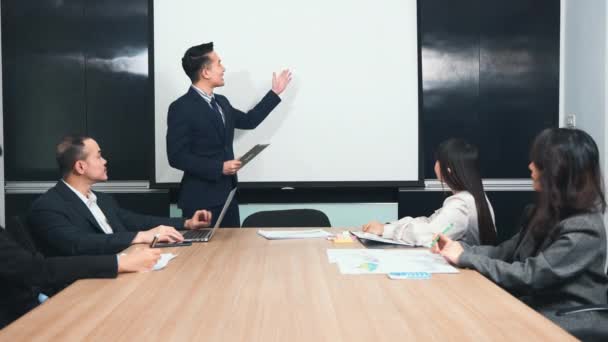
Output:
(558, 258)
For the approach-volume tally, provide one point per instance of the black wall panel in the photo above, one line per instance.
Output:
(518, 81)
(43, 83)
(76, 67)
(490, 76)
(450, 73)
(119, 115)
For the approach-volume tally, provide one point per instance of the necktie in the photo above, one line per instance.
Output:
(216, 108)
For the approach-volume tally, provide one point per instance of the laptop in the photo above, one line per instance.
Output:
(204, 235)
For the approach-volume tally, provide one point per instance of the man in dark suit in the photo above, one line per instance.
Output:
(23, 272)
(71, 219)
(200, 131)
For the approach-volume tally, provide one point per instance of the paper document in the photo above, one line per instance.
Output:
(374, 237)
(255, 150)
(293, 234)
(370, 261)
(163, 261)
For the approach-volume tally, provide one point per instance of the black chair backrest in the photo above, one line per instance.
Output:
(287, 218)
(20, 232)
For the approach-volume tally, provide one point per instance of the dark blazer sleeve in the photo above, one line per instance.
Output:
(19, 266)
(132, 221)
(138, 222)
(504, 251)
(56, 232)
(179, 140)
(255, 116)
(564, 258)
(135, 222)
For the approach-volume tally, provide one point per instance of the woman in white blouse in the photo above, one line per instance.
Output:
(467, 212)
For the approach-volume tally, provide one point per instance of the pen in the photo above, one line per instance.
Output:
(444, 231)
(153, 243)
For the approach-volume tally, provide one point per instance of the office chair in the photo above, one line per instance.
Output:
(287, 218)
(599, 332)
(582, 308)
(19, 231)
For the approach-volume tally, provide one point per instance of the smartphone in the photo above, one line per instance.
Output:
(173, 244)
(154, 241)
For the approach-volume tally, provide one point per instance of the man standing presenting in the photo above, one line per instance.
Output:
(200, 132)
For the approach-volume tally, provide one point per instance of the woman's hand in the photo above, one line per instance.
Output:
(373, 227)
(451, 250)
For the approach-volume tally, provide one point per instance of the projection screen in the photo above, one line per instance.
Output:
(351, 111)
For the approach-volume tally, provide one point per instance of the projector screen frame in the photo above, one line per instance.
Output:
(297, 184)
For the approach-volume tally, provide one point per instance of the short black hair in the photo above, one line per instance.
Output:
(69, 150)
(196, 58)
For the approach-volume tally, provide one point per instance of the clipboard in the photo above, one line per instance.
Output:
(255, 150)
(374, 241)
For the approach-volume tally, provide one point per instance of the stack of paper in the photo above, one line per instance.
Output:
(293, 234)
(366, 261)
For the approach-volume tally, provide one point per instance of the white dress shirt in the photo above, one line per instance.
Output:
(91, 203)
(458, 210)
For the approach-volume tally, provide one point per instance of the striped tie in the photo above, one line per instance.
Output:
(216, 107)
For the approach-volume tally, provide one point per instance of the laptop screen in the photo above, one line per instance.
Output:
(224, 210)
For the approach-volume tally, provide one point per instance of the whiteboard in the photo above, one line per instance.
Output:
(350, 113)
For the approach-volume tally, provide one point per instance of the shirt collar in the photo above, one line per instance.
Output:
(92, 199)
(207, 97)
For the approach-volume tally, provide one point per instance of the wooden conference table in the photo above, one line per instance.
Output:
(241, 287)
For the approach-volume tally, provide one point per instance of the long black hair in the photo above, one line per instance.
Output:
(459, 166)
(569, 177)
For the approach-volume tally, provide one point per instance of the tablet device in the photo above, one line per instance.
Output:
(255, 150)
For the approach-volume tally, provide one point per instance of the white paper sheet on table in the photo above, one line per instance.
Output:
(163, 261)
(370, 261)
(293, 234)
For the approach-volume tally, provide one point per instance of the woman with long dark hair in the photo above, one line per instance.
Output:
(558, 258)
(467, 212)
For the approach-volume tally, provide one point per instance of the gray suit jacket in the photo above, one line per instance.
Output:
(569, 270)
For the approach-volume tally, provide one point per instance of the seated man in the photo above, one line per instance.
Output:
(72, 219)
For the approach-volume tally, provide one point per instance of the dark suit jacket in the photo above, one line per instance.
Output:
(62, 224)
(568, 270)
(23, 272)
(198, 143)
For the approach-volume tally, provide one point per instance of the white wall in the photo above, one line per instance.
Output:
(585, 66)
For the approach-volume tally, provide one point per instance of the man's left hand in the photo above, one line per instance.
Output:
(200, 219)
(279, 83)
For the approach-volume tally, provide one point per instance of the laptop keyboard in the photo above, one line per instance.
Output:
(197, 234)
